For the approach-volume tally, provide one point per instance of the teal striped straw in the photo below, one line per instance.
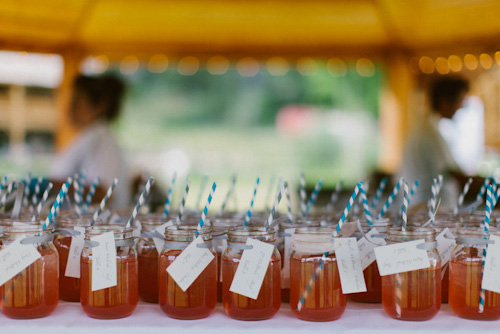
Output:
(78, 197)
(228, 195)
(202, 189)
(480, 195)
(288, 202)
(406, 200)
(141, 201)
(7, 192)
(26, 195)
(303, 195)
(270, 190)
(273, 211)
(391, 197)
(412, 192)
(90, 195)
(336, 232)
(3, 184)
(378, 193)
(103, 202)
(166, 208)
(249, 212)
(57, 203)
(314, 195)
(461, 197)
(183, 201)
(365, 205)
(205, 210)
(42, 201)
(489, 198)
(36, 194)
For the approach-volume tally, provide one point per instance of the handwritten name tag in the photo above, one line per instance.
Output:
(445, 244)
(349, 264)
(15, 258)
(491, 276)
(159, 243)
(252, 269)
(104, 272)
(285, 272)
(367, 245)
(401, 257)
(190, 264)
(75, 251)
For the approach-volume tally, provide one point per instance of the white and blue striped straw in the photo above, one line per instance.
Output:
(433, 200)
(366, 206)
(27, 191)
(270, 190)
(249, 212)
(42, 202)
(3, 184)
(314, 195)
(77, 195)
(303, 194)
(335, 196)
(270, 219)
(461, 197)
(495, 200)
(489, 199)
(183, 201)
(391, 197)
(90, 195)
(205, 209)
(480, 195)
(141, 201)
(228, 195)
(412, 192)
(378, 193)
(8, 191)
(288, 202)
(337, 230)
(202, 189)
(406, 201)
(102, 205)
(82, 179)
(36, 193)
(57, 203)
(168, 201)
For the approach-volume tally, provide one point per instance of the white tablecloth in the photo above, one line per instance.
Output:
(69, 318)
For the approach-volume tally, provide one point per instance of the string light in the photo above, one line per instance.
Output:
(188, 65)
(217, 65)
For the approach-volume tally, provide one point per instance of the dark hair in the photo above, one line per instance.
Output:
(447, 88)
(107, 90)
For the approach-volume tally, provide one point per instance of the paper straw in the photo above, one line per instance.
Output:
(303, 195)
(36, 194)
(480, 195)
(249, 212)
(141, 201)
(269, 190)
(489, 198)
(433, 200)
(406, 200)
(3, 184)
(366, 206)
(26, 195)
(335, 196)
(8, 191)
(77, 195)
(228, 195)
(103, 202)
(412, 192)
(337, 230)
(273, 211)
(378, 193)
(83, 177)
(166, 208)
(205, 210)
(391, 197)
(461, 197)
(57, 203)
(42, 202)
(183, 201)
(288, 202)
(314, 195)
(202, 188)
(90, 195)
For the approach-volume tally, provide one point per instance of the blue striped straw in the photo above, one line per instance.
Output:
(141, 201)
(166, 208)
(489, 198)
(77, 195)
(406, 200)
(36, 194)
(228, 195)
(205, 210)
(57, 203)
(335, 196)
(378, 193)
(3, 184)
(270, 189)
(303, 195)
(337, 230)
(366, 206)
(202, 188)
(8, 191)
(412, 192)
(27, 191)
(91, 193)
(288, 202)
(83, 177)
(273, 211)
(103, 202)
(461, 197)
(183, 201)
(249, 212)
(391, 197)
(433, 200)
(314, 195)
(480, 195)
(495, 200)
(42, 201)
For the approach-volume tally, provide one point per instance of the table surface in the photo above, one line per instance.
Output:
(69, 318)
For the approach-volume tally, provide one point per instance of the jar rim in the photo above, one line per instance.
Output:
(412, 231)
(36, 227)
(187, 231)
(100, 229)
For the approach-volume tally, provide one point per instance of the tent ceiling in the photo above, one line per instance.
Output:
(250, 27)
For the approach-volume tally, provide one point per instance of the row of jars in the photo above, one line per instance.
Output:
(414, 295)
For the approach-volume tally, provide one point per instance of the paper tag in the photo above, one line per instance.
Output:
(366, 246)
(252, 269)
(285, 271)
(190, 264)
(491, 275)
(15, 258)
(401, 257)
(159, 243)
(75, 251)
(445, 245)
(104, 272)
(349, 264)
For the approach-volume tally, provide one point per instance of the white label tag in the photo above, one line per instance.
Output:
(252, 269)
(401, 257)
(285, 272)
(104, 272)
(190, 264)
(367, 245)
(15, 258)
(349, 264)
(159, 243)
(445, 244)
(75, 251)
(491, 276)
